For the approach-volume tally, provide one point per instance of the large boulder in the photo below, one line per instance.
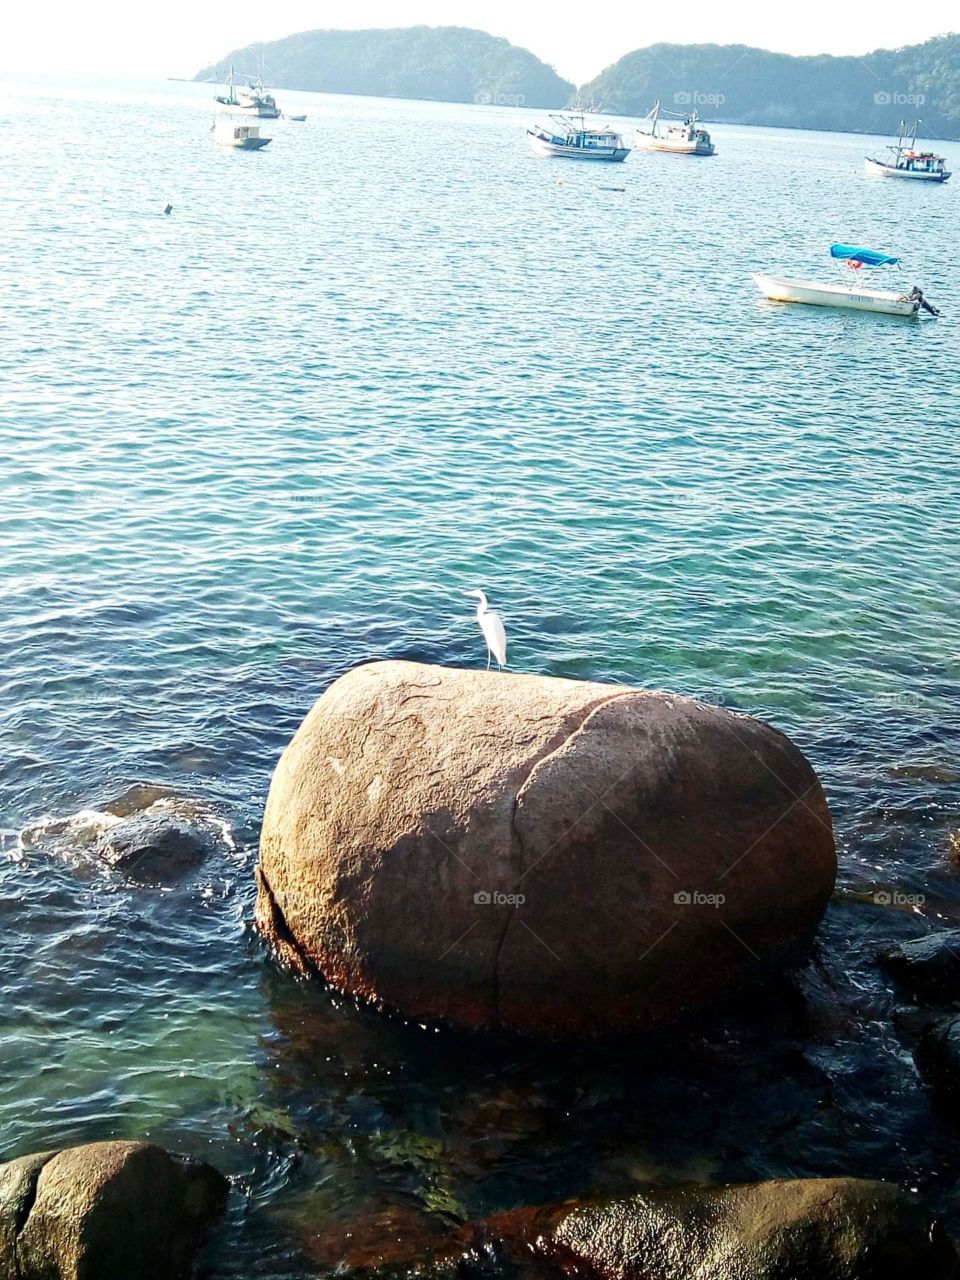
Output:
(536, 853)
(104, 1211)
(799, 1229)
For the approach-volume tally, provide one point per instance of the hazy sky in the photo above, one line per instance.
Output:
(176, 37)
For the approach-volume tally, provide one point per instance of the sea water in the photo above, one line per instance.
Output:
(280, 431)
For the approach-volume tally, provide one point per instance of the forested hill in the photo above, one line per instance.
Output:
(453, 64)
(735, 83)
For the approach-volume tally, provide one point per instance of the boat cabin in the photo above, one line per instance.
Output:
(921, 162)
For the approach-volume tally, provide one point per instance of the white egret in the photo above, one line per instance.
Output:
(491, 624)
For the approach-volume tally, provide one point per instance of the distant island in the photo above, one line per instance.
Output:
(449, 64)
(735, 84)
(741, 85)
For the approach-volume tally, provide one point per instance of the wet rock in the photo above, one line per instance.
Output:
(152, 848)
(533, 853)
(104, 1211)
(802, 1229)
(928, 967)
(925, 773)
(142, 795)
(150, 834)
(938, 1056)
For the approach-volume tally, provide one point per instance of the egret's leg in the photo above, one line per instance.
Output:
(489, 656)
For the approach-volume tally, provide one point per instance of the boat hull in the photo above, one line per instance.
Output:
(836, 295)
(244, 144)
(676, 148)
(877, 169)
(246, 109)
(557, 150)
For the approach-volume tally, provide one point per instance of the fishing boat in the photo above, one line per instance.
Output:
(239, 134)
(252, 100)
(850, 296)
(906, 161)
(573, 139)
(686, 138)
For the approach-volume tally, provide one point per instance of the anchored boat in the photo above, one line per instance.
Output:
(684, 139)
(573, 139)
(906, 161)
(239, 134)
(250, 101)
(853, 296)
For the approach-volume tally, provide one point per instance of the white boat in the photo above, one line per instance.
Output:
(852, 297)
(836, 295)
(239, 134)
(906, 161)
(684, 139)
(573, 139)
(298, 118)
(250, 101)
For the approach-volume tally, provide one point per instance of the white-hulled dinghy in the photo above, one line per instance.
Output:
(853, 297)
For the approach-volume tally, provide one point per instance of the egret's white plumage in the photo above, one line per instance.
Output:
(491, 625)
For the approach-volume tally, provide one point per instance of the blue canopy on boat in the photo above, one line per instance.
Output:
(870, 257)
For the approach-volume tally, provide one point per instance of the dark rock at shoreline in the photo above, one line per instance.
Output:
(105, 1211)
(152, 848)
(928, 967)
(802, 1229)
(538, 854)
(150, 834)
(938, 1056)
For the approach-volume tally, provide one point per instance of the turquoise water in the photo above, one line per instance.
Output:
(389, 358)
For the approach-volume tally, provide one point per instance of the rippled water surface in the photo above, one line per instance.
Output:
(389, 358)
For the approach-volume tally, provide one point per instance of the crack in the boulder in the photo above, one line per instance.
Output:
(273, 925)
(23, 1216)
(555, 744)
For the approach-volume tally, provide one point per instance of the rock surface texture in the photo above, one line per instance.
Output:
(928, 967)
(534, 853)
(802, 1229)
(104, 1211)
(152, 848)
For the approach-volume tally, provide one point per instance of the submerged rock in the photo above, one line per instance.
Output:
(821, 1228)
(150, 834)
(536, 853)
(929, 967)
(152, 848)
(105, 1211)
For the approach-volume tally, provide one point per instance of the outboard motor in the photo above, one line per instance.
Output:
(916, 295)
